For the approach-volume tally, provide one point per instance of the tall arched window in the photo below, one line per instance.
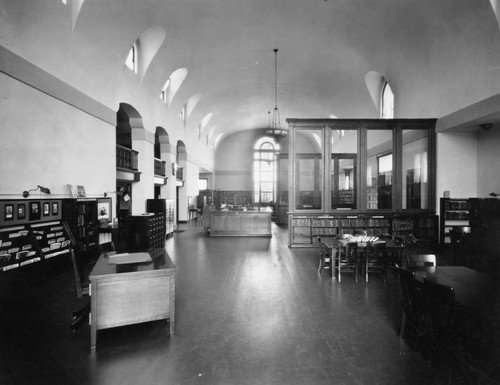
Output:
(131, 61)
(387, 102)
(264, 170)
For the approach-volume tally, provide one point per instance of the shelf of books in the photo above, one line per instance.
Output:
(304, 229)
(454, 218)
(31, 232)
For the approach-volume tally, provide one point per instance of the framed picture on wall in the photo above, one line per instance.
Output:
(21, 211)
(55, 208)
(9, 212)
(35, 211)
(80, 191)
(104, 209)
(46, 209)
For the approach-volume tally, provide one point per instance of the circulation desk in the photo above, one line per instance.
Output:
(130, 293)
(240, 223)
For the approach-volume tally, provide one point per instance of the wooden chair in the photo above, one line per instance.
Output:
(440, 317)
(420, 260)
(375, 260)
(412, 303)
(346, 259)
(82, 289)
(325, 256)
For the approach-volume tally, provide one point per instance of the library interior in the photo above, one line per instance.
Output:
(250, 192)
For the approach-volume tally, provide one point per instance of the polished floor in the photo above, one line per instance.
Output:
(249, 311)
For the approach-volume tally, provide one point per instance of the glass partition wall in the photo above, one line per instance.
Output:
(343, 170)
(372, 165)
(308, 169)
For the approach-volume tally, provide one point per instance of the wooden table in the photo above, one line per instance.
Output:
(470, 286)
(123, 294)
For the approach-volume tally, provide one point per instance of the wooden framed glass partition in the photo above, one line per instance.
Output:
(375, 175)
(361, 165)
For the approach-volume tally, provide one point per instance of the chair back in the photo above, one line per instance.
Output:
(421, 260)
(440, 308)
(407, 285)
(324, 250)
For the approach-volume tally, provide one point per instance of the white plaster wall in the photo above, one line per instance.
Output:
(45, 141)
(488, 164)
(457, 159)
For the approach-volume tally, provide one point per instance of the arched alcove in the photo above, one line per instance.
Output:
(129, 125)
(162, 142)
(127, 119)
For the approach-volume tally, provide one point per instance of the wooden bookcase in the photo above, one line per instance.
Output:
(484, 219)
(304, 229)
(81, 216)
(454, 216)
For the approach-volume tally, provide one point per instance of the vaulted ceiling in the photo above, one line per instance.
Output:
(439, 56)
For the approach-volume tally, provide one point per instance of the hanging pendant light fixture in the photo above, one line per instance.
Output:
(275, 131)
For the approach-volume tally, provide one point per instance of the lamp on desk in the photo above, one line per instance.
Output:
(45, 190)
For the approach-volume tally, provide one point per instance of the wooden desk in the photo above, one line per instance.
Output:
(471, 287)
(123, 294)
(240, 223)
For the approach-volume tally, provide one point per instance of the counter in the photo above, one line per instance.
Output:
(240, 223)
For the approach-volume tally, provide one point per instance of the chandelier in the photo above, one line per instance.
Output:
(275, 131)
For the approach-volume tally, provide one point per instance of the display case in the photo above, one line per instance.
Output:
(32, 231)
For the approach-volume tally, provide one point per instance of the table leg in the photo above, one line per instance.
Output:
(93, 320)
(172, 305)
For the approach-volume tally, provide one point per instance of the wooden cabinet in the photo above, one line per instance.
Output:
(145, 232)
(165, 207)
(484, 242)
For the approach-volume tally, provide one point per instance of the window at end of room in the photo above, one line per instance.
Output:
(264, 170)
(203, 184)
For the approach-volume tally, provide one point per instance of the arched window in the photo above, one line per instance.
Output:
(131, 61)
(387, 102)
(164, 91)
(264, 170)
